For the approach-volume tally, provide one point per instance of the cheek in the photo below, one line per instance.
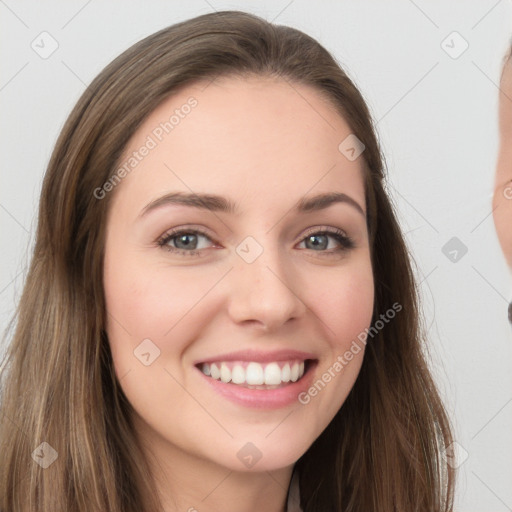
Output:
(344, 306)
(152, 319)
(344, 303)
(145, 302)
(149, 298)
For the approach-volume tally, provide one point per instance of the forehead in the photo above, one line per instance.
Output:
(262, 137)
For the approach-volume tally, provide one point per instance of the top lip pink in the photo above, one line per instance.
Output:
(258, 356)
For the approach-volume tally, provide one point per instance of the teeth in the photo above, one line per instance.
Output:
(238, 374)
(225, 373)
(214, 372)
(272, 374)
(255, 374)
(294, 374)
(285, 375)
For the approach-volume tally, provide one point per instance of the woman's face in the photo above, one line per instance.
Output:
(253, 295)
(502, 203)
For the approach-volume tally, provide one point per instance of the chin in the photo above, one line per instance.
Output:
(272, 453)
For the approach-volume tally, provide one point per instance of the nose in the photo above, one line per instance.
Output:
(263, 292)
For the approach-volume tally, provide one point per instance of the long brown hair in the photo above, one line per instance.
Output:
(384, 448)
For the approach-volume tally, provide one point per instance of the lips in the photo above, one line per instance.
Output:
(255, 374)
(259, 356)
(274, 367)
(256, 369)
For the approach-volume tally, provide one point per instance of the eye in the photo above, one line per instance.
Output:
(320, 240)
(187, 241)
(184, 241)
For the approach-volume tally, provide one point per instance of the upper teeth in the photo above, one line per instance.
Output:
(252, 373)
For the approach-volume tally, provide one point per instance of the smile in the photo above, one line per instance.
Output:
(254, 375)
(256, 379)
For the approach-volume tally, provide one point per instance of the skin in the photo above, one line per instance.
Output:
(502, 201)
(264, 145)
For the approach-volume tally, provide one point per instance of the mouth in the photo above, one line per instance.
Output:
(258, 375)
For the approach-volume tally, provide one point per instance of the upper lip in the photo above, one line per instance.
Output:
(259, 357)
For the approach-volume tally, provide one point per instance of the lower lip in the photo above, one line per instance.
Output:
(263, 398)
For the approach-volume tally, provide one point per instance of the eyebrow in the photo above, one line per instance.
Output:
(218, 203)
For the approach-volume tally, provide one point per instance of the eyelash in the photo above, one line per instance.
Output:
(345, 241)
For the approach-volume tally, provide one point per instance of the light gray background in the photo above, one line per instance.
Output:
(437, 119)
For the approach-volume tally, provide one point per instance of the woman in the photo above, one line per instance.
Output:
(220, 312)
(502, 198)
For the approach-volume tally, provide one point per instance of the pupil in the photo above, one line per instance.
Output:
(183, 238)
(316, 244)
